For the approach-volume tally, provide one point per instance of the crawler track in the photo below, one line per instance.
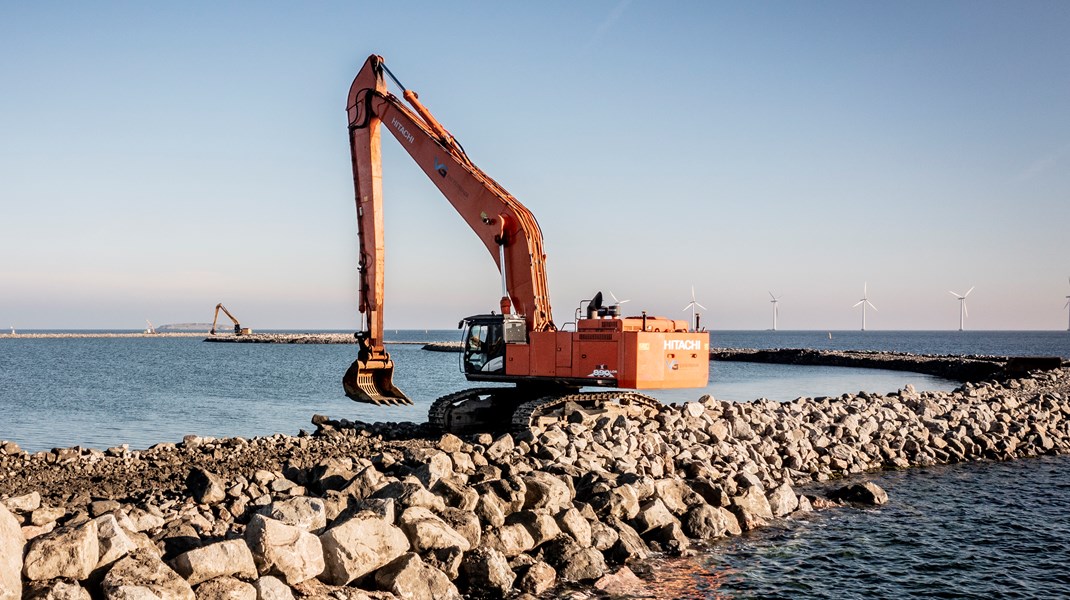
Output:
(507, 409)
(533, 413)
(445, 416)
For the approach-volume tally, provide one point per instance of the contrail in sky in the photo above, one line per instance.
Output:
(1044, 164)
(607, 23)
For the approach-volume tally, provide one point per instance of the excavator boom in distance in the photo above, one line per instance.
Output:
(521, 345)
(238, 329)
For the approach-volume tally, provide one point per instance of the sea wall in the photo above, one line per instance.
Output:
(385, 511)
(958, 368)
(292, 338)
(283, 338)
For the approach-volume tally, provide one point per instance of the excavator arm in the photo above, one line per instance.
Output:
(238, 329)
(505, 226)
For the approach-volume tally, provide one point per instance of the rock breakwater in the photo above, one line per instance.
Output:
(389, 511)
(293, 338)
(284, 338)
(958, 368)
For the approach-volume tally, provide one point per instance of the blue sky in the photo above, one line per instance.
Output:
(156, 159)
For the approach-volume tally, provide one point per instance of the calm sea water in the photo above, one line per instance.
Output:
(969, 531)
(101, 392)
(982, 530)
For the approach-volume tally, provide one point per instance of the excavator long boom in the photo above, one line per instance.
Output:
(504, 225)
(238, 329)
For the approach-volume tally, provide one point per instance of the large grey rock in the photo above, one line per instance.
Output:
(629, 545)
(668, 538)
(225, 588)
(546, 491)
(25, 503)
(100, 508)
(410, 493)
(359, 546)
(46, 514)
(540, 525)
(510, 491)
(622, 583)
(368, 481)
(426, 531)
(114, 543)
(486, 571)
(732, 525)
(434, 466)
(465, 523)
(782, 500)
(572, 562)
(55, 589)
(867, 493)
(490, 510)
(141, 575)
(573, 523)
(145, 521)
(70, 552)
(704, 522)
(284, 550)
(603, 537)
(753, 503)
(676, 494)
(205, 487)
(501, 447)
(408, 577)
(11, 545)
(304, 512)
(538, 578)
(621, 502)
(512, 540)
(652, 515)
(230, 557)
(272, 588)
(331, 474)
(455, 494)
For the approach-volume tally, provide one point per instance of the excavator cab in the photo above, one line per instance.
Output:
(483, 345)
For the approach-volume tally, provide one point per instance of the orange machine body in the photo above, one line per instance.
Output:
(615, 352)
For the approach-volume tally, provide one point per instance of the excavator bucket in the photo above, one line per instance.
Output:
(372, 381)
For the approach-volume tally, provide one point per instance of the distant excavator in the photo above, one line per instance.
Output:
(238, 329)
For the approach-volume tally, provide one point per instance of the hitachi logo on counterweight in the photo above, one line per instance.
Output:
(683, 345)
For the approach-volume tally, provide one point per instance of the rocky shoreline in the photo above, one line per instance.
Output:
(360, 511)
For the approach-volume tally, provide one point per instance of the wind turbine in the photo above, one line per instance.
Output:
(692, 305)
(776, 309)
(863, 302)
(615, 300)
(963, 313)
(1067, 306)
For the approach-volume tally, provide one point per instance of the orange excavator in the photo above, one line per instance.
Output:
(520, 345)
